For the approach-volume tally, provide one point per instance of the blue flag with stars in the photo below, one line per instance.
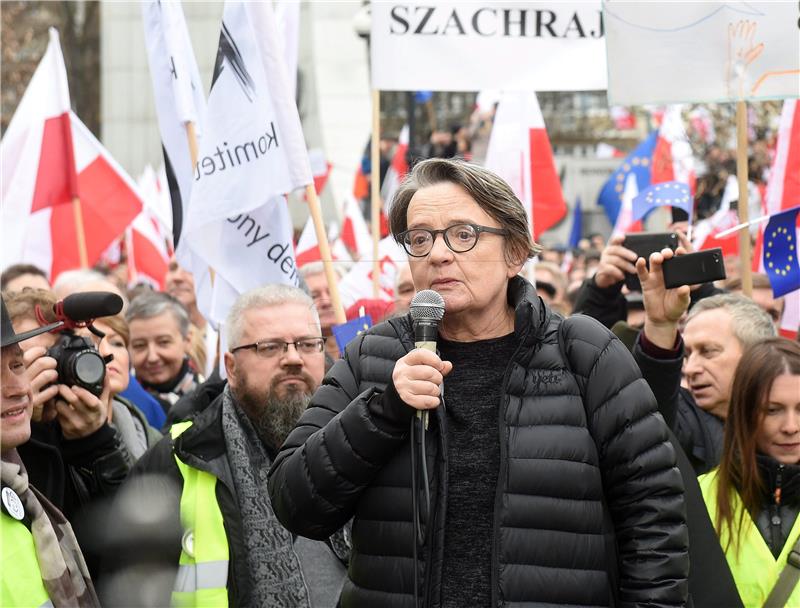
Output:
(639, 163)
(350, 330)
(672, 194)
(780, 252)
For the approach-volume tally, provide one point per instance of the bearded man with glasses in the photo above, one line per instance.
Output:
(234, 551)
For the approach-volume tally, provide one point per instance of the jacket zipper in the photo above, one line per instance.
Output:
(775, 519)
(498, 496)
(431, 524)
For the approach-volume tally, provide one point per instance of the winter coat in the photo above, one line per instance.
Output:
(699, 433)
(581, 445)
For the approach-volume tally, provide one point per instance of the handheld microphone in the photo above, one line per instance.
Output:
(427, 311)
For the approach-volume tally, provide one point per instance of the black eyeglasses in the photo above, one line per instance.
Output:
(274, 348)
(460, 238)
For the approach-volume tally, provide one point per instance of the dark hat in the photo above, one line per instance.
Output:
(7, 335)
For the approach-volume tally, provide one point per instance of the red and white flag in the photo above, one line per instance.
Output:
(519, 152)
(147, 253)
(307, 248)
(49, 160)
(672, 157)
(357, 283)
(783, 192)
(355, 233)
(37, 165)
(625, 223)
(397, 170)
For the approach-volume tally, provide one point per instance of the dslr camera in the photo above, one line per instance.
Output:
(78, 362)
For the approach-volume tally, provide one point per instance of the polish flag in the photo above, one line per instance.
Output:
(672, 158)
(37, 163)
(519, 152)
(357, 283)
(783, 192)
(109, 201)
(724, 218)
(397, 170)
(147, 252)
(320, 169)
(625, 223)
(307, 248)
(355, 233)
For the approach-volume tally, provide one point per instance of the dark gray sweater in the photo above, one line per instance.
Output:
(473, 391)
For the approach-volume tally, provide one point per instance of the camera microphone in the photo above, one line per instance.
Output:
(81, 307)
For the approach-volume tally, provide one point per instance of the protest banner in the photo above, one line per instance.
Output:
(527, 46)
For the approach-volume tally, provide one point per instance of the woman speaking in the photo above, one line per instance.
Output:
(545, 474)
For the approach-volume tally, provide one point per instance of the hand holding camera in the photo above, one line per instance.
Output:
(663, 307)
(80, 413)
(42, 374)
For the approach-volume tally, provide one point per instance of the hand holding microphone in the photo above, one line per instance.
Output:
(419, 375)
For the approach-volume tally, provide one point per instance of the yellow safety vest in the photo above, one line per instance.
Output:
(203, 571)
(22, 580)
(755, 570)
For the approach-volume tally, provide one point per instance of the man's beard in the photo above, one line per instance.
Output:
(274, 416)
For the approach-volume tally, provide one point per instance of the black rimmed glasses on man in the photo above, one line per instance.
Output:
(460, 238)
(273, 348)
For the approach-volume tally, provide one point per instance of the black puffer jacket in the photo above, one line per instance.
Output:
(561, 455)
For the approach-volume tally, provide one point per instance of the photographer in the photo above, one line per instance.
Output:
(74, 456)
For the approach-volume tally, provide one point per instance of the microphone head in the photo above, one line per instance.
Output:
(427, 305)
(90, 305)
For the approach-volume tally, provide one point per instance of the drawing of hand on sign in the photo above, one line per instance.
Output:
(741, 53)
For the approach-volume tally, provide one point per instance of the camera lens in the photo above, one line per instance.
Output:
(89, 368)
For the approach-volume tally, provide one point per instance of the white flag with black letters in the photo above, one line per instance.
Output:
(252, 153)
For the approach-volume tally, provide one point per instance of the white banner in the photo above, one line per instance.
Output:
(252, 153)
(467, 46)
(666, 52)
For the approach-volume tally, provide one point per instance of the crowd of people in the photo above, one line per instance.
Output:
(570, 441)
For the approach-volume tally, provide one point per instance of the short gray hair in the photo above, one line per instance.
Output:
(751, 324)
(317, 267)
(152, 304)
(486, 188)
(263, 297)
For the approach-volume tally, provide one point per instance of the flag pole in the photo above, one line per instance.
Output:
(191, 135)
(743, 206)
(80, 233)
(325, 253)
(375, 190)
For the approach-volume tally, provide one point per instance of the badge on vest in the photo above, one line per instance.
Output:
(187, 542)
(13, 504)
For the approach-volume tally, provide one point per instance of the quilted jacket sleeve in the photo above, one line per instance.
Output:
(344, 438)
(643, 487)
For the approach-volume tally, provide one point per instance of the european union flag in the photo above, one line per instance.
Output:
(639, 163)
(352, 329)
(780, 252)
(672, 194)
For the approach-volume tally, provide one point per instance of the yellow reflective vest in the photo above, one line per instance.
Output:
(21, 578)
(755, 570)
(202, 578)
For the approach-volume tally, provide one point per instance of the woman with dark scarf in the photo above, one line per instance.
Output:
(160, 337)
(753, 497)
